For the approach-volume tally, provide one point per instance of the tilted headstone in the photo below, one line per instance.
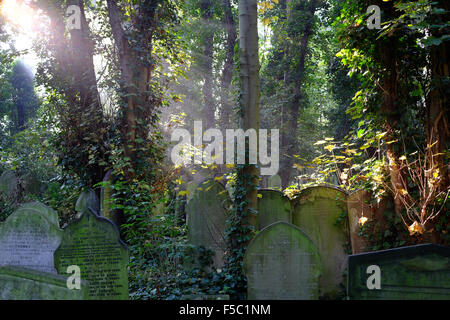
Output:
(8, 184)
(87, 199)
(275, 182)
(317, 211)
(29, 237)
(206, 218)
(358, 209)
(17, 283)
(273, 206)
(420, 272)
(282, 263)
(93, 243)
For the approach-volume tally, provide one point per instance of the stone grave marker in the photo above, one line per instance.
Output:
(282, 263)
(8, 184)
(206, 218)
(87, 199)
(17, 283)
(29, 237)
(273, 206)
(92, 242)
(420, 272)
(317, 211)
(358, 207)
(275, 182)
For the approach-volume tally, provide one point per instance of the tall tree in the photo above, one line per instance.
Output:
(227, 72)
(299, 26)
(250, 94)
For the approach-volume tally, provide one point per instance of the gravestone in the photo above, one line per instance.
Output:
(9, 184)
(206, 218)
(17, 283)
(358, 208)
(87, 199)
(282, 263)
(420, 272)
(273, 206)
(275, 182)
(93, 243)
(317, 211)
(29, 237)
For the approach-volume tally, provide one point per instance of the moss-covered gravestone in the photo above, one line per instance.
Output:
(282, 263)
(93, 243)
(273, 206)
(321, 212)
(274, 182)
(87, 199)
(410, 273)
(8, 184)
(17, 283)
(206, 218)
(28, 240)
(29, 237)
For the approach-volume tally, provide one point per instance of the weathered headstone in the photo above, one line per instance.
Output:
(87, 199)
(318, 211)
(273, 206)
(29, 237)
(191, 186)
(93, 243)
(8, 184)
(358, 208)
(420, 272)
(282, 263)
(18, 283)
(275, 182)
(206, 218)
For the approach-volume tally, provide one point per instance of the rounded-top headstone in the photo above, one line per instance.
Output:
(321, 212)
(29, 237)
(282, 263)
(87, 199)
(206, 218)
(273, 206)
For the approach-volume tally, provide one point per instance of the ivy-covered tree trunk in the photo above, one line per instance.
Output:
(135, 76)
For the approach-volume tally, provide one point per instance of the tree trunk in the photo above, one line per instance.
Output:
(250, 93)
(135, 78)
(437, 102)
(294, 79)
(207, 64)
(227, 73)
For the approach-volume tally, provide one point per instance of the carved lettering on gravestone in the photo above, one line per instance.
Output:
(29, 237)
(282, 263)
(93, 244)
(206, 218)
(273, 206)
(317, 211)
(420, 272)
